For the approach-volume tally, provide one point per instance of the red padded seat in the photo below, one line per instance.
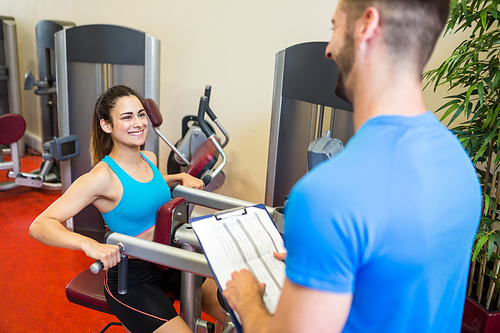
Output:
(87, 289)
(12, 127)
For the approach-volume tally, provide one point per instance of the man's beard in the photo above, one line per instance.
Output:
(344, 60)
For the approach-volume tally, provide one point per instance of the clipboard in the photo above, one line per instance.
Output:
(240, 238)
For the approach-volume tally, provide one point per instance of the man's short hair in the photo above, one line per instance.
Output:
(410, 27)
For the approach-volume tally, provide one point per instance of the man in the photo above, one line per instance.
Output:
(379, 237)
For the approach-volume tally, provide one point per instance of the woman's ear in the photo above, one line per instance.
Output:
(106, 127)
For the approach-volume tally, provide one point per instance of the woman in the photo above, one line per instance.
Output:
(127, 188)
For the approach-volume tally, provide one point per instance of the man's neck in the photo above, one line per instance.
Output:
(375, 92)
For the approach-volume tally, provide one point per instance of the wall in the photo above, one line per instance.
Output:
(228, 44)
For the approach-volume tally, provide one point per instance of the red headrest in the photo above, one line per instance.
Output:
(153, 112)
(12, 127)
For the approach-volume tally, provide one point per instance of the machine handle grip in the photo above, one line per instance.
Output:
(96, 267)
(206, 179)
(208, 90)
(211, 114)
(201, 116)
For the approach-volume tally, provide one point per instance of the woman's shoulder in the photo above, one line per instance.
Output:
(94, 183)
(150, 156)
(100, 174)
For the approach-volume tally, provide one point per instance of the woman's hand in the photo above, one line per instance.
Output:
(108, 254)
(190, 181)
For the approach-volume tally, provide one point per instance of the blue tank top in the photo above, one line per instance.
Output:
(136, 211)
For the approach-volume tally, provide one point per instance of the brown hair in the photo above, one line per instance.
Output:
(410, 27)
(101, 142)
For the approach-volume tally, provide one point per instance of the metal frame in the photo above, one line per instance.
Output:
(9, 29)
(304, 84)
(187, 258)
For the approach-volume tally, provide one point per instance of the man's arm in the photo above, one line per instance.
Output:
(300, 309)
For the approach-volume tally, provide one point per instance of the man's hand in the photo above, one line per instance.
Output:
(280, 256)
(244, 295)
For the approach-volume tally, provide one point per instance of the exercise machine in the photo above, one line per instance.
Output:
(304, 108)
(12, 129)
(195, 134)
(13, 125)
(175, 245)
(45, 86)
(10, 94)
(46, 91)
(200, 149)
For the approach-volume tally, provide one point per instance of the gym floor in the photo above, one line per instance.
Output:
(34, 276)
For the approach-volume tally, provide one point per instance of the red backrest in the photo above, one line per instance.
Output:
(12, 127)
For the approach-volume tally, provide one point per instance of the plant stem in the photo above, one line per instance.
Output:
(481, 279)
(491, 288)
(488, 166)
(471, 278)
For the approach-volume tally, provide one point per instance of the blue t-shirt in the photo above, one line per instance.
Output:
(136, 211)
(390, 219)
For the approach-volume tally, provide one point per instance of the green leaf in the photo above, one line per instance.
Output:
(491, 242)
(497, 238)
(457, 113)
(448, 112)
(469, 92)
(486, 204)
(493, 12)
(480, 89)
(484, 15)
(478, 246)
(497, 78)
(484, 146)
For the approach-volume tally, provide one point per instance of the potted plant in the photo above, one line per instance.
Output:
(474, 69)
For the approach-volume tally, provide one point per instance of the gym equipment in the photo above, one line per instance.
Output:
(12, 128)
(304, 107)
(200, 158)
(322, 149)
(10, 94)
(46, 85)
(46, 90)
(89, 60)
(175, 245)
(193, 137)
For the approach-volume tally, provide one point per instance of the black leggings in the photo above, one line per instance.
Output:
(145, 307)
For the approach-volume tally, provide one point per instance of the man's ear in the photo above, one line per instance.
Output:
(367, 27)
(106, 127)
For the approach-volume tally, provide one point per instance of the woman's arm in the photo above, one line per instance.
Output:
(184, 179)
(47, 228)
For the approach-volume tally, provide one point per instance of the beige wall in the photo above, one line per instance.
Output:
(228, 44)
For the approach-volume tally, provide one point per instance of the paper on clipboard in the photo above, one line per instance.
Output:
(243, 239)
